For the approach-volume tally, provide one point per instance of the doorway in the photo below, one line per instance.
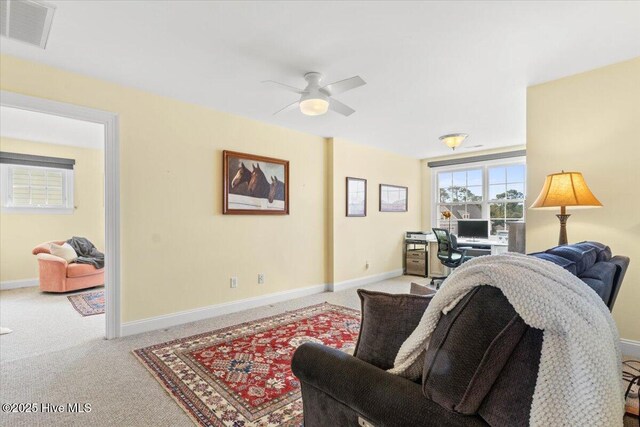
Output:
(109, 121)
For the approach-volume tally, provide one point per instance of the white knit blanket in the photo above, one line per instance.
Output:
(579, 379)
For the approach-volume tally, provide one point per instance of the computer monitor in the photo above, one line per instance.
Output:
(473, 228)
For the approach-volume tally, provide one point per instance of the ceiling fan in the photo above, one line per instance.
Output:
(315, 100)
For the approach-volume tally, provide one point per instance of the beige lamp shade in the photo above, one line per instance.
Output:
(565, 189)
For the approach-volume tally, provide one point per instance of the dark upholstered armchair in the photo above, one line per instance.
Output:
(480, 369)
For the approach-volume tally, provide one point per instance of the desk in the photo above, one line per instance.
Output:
(476, 247)
(494, 246)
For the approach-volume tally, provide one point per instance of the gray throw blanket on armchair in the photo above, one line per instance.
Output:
(87, 253)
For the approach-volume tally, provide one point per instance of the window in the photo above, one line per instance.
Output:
(493, 190)
(461, 193)
(37, 189)
(506, 196)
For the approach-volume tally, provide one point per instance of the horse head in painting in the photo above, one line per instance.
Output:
(276, 190)
(243, 175)
(258, 184)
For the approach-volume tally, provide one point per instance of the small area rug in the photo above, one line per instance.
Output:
(88, 303)
(241, 375)
(630, 372)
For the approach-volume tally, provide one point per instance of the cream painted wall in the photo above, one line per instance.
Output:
(20, 232)
(590, 123)
(178, 250)
(426, 173)
(378, 237)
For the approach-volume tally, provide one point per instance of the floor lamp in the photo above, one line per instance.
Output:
(565, 189)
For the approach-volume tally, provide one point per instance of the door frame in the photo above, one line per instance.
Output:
(111, 194)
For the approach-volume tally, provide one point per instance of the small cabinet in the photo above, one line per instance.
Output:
(416, 266)
(415, 259)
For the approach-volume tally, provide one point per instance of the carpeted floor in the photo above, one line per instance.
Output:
(56, 355)
(43, 323)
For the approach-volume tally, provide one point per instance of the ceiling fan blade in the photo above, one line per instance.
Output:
(288, 107)
(344, 85)
(284, 86)
(341, 108)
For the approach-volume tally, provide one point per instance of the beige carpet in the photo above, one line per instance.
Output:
(43, 323)
(57, 356)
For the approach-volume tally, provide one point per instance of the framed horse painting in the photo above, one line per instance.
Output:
(254, 185)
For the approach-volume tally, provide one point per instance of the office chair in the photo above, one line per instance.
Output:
(448, 252)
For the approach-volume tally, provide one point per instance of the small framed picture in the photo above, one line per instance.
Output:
(356, 197)
(393, 198)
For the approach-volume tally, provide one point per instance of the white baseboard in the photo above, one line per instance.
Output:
(15, 284)
(630, 348)
(361, 281)
(187, 316)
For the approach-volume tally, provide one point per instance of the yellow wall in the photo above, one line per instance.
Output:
(590, 123)
(378, 237)
(20, 232)
(426, 172)
(178, 251)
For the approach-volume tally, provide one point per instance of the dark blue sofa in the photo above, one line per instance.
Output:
(592, 262)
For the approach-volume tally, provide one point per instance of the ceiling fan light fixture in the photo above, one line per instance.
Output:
(316, 100)
(314, 106)
(453, 140)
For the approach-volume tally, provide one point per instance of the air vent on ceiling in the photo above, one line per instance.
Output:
(26, 20)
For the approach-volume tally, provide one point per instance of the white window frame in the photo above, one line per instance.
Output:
(506, 201)
(6, 190)
(485, 166)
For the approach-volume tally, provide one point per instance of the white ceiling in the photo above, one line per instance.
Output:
(432, 68)
(47, 128)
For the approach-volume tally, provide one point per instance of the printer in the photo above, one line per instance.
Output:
(417, 237)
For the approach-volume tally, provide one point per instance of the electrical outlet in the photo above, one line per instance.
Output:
(260, 278)
(234, 282)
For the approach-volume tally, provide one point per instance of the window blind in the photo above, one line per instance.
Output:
(33, 160)
(33, 187)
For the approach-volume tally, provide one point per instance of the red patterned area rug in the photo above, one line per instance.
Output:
(241, 375)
